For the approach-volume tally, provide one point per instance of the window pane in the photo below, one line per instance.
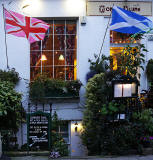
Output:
(35, 45)
(70, 42)
(59, 27)
(70, 27)
(49, 58)
(59, 42)
(34, 72)
(69, 73)
(50, 30)
(35, 58)
(59, 58)
(47, 43)
(70, 57)
(64, 128)
(59, 72)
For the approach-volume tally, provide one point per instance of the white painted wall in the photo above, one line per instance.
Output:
(90, 37)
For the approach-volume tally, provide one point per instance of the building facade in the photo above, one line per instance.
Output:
(76, 33)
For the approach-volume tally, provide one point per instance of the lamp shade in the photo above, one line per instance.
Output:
(61, 57)
(43, 58)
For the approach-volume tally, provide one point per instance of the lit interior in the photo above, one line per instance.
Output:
(115, 52)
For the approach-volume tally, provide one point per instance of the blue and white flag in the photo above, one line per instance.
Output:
(129, 22)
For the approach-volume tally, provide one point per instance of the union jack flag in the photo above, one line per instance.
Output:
(22, 26)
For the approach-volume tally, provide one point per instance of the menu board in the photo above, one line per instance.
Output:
(38, 132)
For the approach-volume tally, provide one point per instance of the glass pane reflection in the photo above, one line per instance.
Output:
(70, 27)
(69, 73)
(35, 58)
(59, 27)
(70, 57)
(70, 41)
(59, 42)
(47, 43)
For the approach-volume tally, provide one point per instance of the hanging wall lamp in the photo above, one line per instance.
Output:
(76, 126)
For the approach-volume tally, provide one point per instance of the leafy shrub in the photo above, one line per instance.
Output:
(10, 106)
(10, 75)
(97, 94)
(58, 143)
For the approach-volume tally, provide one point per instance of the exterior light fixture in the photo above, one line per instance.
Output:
(76, 126)
(31, 7)
(43, 58)
(26, 3)
(61, 57)
(125, 86)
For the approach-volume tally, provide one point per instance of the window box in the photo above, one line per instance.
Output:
(44, 88)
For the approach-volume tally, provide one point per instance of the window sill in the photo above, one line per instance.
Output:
(70, 99)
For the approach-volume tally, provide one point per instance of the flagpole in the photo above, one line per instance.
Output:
(5, 36)
(105, 32)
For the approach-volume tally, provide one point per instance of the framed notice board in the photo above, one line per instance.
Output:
(39, 131)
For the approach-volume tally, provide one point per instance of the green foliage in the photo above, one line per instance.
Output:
(131, 59)
(10, 106)
(149, 70)
(10, 75)
(58, 143)
(97, 94)
(121, 138)
(43, 87)
(102, 132)
(145, 119)
(100, 64)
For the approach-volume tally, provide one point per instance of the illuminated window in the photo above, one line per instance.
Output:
(117, 44)
(120, 38)
(56, 54)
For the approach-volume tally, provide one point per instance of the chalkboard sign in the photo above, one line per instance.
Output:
(38, 130)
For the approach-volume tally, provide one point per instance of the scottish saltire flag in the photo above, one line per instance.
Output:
(129, 22)
(22, 26)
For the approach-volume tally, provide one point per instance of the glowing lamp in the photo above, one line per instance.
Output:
(61, 57)
(43, 58)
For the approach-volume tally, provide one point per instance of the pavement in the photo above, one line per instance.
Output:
(133, 157)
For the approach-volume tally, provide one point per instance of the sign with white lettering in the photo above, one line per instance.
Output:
(39, 130)
(104, 8)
